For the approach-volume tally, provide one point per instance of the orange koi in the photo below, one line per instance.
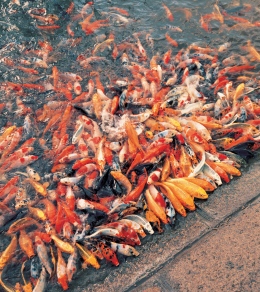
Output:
(136, 192)
(34, 86)
(70, 31)
(120, 10)
(229, 168)
(207, 186)
(55, 76)
(167, 57)
(61, 189)
(60, 219)
(64, 152)
(223, 175)
(173, 199)
(50, 210)
(7, 188)
(67, 93)
(90, 28)
(43, 236)
(8, 253)
(39, 188)
(97, 104)
(171, 41)
(236, 69)
(245, 138)
(189, 187)
(132, 135)
(168, 12)
(155, 207)
(156, 151)
(26, 244)
(187, 12)
(161, 94)
(45, 45)
(65, 118)
(166, 169)
(27, 70)
(37, 213)
(108, 154)
(175, 166)
(70, 215)
(70, 8)
(55, 118)
(235, 18)
(135, 162)
(70, 198)
(123, 180)
(61, 272)
(47, 27)
(78, 164)
(204, 24)
(22, 224)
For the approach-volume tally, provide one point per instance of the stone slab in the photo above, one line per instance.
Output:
(226, 259)
(228, 198)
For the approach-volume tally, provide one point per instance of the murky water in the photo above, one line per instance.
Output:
(18, 32)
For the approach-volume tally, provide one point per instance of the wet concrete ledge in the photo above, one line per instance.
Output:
(226, 259)
(159, 250)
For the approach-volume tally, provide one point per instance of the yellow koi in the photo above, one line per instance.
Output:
(132, 135)
(189, 187)
(239, 91)
(7, 132)
(122, 179)
(39, 188)
(87, 256)
(185, 199)
(37, 213)
(173, 199)
(62, 245)
(101, 47)
(155, 208)
(8, 253)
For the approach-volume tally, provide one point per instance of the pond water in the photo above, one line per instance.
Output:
(20, 34)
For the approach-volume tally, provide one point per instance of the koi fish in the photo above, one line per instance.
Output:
(143, 130)
(168, 12)
(8, 253)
